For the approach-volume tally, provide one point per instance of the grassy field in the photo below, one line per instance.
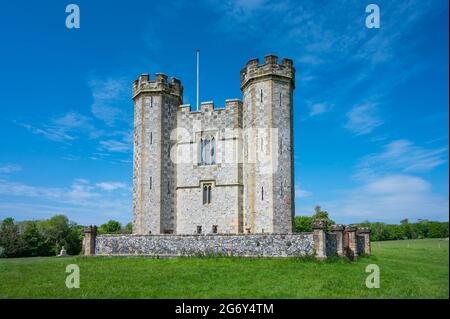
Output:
(408, 269)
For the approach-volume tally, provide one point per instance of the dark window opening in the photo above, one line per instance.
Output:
(199, 229)
(262, 193)
(214, 229)
(281, 144)
(207, 194)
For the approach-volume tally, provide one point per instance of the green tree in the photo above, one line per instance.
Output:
(35, 242)
(11, 242)
(303, 224)
(111, 227)
(128, 229)
(59, 232)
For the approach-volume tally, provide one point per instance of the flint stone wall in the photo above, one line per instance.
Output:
(267, 245)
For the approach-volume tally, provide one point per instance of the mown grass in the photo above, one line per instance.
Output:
(408, 269)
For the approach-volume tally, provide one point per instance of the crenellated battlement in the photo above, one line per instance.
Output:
(254, 70)
(161, 83)
(209, 106)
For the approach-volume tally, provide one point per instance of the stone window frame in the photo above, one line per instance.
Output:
(206, 197)
(210, 135)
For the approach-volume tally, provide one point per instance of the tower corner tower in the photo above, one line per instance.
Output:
(268, 145)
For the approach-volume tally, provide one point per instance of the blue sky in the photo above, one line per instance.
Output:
(370, 105)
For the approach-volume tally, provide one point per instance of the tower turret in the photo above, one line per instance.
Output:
(154, 180)
(268, 171)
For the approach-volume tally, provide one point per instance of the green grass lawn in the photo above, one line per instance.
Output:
(408, 269)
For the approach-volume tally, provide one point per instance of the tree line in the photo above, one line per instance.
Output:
(46, 237)
(32, 238)
(423, 228)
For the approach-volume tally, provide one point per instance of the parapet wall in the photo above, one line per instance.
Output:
(342, 241)
(160, 83)
(253, 70)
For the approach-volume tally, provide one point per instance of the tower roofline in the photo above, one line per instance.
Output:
(270, 68)
(161, 83)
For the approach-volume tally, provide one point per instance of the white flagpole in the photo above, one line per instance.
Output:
(198, 77)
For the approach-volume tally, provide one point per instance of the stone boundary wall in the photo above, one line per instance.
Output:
(258, 245)
(343, 240)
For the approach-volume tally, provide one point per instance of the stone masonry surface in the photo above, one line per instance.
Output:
(319, 243)
(273, 245)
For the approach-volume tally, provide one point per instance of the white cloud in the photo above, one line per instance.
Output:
(9, 168)
(401, 155)
(390, 199)
(115, 146)
(65, 128)
(110, 186)
(397, 184)
(51, 133)
(363, 119)
(319, 108)
(302, 193)
(108, 95)
(82, 201)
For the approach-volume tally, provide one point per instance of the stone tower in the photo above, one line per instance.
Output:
(154, 178)
(268, 172)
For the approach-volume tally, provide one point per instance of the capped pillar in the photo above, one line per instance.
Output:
(350, 244)
(90, 234)
(320, 241)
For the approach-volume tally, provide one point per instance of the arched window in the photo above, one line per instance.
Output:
(207, 194)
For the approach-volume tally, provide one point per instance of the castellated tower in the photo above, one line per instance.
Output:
(216, 170)
(268, 171)
(154, 178)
